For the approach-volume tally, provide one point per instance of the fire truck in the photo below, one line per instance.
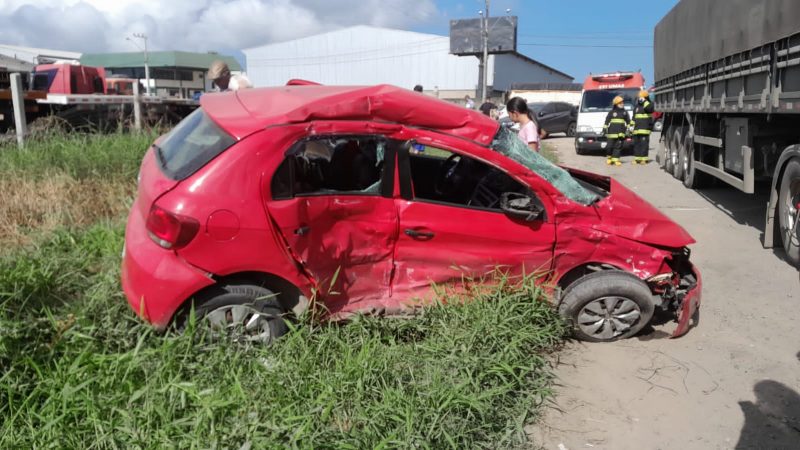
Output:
(598, 93)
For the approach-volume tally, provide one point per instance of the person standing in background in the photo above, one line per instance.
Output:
(642, 126)
(616, 127)
(519, 113)
(489, 109)
(220, 76)
(468, 102)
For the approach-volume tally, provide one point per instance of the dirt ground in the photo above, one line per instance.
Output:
(733, 381)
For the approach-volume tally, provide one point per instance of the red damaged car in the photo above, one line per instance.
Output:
(363, 198)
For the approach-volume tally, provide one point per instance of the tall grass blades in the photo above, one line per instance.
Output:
(79, 371)
(67, 181)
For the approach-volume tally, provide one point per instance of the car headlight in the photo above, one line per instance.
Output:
(585, 129)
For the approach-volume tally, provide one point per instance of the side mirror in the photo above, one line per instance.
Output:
(520, 206)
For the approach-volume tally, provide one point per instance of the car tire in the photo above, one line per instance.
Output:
(788, 199)
(246, 313)
(607, 306)
(571, 129)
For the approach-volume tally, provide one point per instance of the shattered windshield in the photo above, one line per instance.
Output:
(507, 143)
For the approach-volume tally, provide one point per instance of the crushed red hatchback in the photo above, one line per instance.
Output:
(363, 198)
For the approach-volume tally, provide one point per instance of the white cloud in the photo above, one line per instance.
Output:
(193, 25)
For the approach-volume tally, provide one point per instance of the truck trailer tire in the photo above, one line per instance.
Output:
(678, 155)
(692, 179)
(667, 143)
(788, 200)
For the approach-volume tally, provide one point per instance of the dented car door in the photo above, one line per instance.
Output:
(452, 227)
(329, 205)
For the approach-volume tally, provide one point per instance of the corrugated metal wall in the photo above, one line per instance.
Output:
(364, 55)
(696, 32)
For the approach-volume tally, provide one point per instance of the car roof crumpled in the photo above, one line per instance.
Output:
(246, 111)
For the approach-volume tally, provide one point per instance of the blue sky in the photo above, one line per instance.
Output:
(570, 35)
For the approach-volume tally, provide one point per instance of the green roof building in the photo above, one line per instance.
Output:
(172, 74)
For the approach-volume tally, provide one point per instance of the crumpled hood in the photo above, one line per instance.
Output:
(625, 214)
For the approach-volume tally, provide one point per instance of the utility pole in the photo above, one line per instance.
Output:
(484, 63)
(143, 37)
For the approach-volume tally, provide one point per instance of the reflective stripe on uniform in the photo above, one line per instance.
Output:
(644, 132)
(618, 121)
(642, 116)
(615, 136)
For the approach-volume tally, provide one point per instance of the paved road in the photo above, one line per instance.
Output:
(732, 382)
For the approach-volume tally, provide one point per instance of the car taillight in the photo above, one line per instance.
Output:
(169, 230)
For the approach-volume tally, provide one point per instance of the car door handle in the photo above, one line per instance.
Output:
(302, 231)
(419, 234)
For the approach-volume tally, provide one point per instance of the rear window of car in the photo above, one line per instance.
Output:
(192, 144)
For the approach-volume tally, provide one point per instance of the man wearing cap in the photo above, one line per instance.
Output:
(220, 76)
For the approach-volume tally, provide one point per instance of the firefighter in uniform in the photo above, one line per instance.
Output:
(642, 126)
(616, 128)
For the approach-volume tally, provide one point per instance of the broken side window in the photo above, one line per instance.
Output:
(331, 165)
(445, 177)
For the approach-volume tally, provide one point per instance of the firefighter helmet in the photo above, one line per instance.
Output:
(644, 94)
(618, 100)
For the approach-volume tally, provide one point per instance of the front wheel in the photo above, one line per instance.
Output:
(788, 206)
(571, 128)
(607, 306)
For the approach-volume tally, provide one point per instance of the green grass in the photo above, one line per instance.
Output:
(79, 156)
(549, 151)
(79, 370)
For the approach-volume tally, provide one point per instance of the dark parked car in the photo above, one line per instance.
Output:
(553, 117)
(556, 117)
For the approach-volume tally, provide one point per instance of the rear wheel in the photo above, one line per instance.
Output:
(673, 136)
(678, 156)
(788, 206)
(571, 129)
(243, 313)
(607, 306)
(692, 178)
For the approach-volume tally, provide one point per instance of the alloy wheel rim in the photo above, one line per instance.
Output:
(608, 317)
(243, 323)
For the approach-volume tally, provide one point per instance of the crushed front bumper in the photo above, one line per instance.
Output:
(689, 309)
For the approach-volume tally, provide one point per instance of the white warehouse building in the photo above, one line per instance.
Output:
(365, 55)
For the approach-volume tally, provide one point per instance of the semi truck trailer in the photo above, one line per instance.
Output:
(728, 82)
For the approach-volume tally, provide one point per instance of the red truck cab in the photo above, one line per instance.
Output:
(64, 78)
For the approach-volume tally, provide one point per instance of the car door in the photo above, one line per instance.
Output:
(563, 116)
(331, 200)
(451, 226)
(547, 118)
